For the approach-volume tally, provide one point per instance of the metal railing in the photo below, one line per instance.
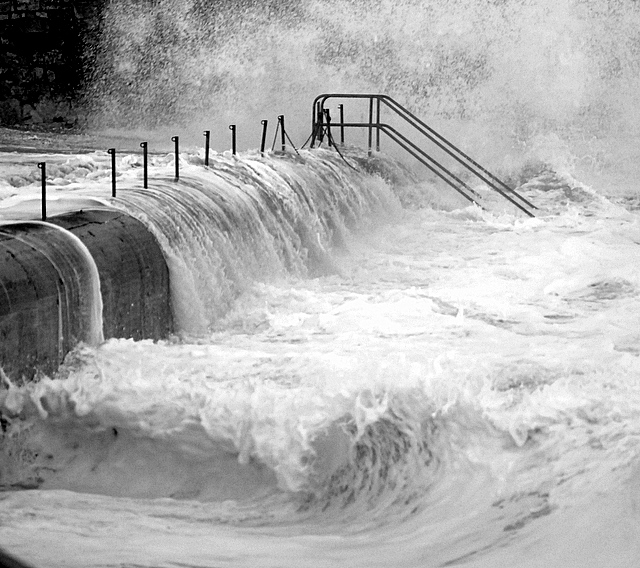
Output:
(321, 127)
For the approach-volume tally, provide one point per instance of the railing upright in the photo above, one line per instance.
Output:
(145, 164)
(377, 124)
(370, 125)
(43, 182)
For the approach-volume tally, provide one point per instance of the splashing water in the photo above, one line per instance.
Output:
(437, 386)
(252, 218)
(504, 75)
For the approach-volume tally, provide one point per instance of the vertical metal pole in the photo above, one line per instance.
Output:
(207, 140)
(341, 109)
(112, 152)
(176, 141)
(145, 165)
(283, 139)
(43, 167)
(327, 116)
(370, 124)
(315, 132)
(320, 125)
(377, 125)
(232, 127)
(264, 135)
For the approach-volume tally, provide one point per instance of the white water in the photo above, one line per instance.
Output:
(465, 386)
(450, 387)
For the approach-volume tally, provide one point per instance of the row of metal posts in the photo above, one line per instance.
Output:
(176, 141)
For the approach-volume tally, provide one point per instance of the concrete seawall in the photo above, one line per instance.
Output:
(46, 299)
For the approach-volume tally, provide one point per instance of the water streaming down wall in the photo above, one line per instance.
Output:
(253, 218)
(174, 257)
(79, 278)
(134, 280)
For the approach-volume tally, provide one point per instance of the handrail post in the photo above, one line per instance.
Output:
(112, 152)
(283, 139)
(341, 110)
(370, 125)
(327, 116)
(176, 142)
(207, 140)
(145, 164)
(320, 125)
(43, 167)
(378, 124)
(263, 141)
(232, 127)
(314, 124)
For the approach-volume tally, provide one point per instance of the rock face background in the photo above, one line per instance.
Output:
(46, 49)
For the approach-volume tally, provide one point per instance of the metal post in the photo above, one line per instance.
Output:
(320, 126)
(316, 127)
(327, 115)
(43, 167)
(341, 109)
(112, 152)
(145, 165)
(207, 139)
(283, 135)
(176, 141)
(370, 125)
(232, 127)
(264, 135)
(377, 125)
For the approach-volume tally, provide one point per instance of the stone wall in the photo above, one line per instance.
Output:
(45, 48)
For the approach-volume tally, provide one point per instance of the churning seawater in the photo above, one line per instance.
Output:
(368, 372)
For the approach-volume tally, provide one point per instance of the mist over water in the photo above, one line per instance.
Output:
(510, 80)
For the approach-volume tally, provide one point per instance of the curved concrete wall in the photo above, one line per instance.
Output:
(32, 308)
(46, 299)
(134, 279)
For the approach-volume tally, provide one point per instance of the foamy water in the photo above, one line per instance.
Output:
(364, 374)
(461, 388)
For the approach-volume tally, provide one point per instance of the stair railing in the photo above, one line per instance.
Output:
(321, 125)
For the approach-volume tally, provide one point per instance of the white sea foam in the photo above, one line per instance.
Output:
(462, 382)
(461, 386)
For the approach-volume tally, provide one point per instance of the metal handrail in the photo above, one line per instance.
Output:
(492, 181)
(436, 167)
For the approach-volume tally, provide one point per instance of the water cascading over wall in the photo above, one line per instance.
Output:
(79, 278)
(174, 257)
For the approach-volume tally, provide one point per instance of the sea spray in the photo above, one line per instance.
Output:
(495, 76)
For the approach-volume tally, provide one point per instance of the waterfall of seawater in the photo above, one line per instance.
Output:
(224, 227)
